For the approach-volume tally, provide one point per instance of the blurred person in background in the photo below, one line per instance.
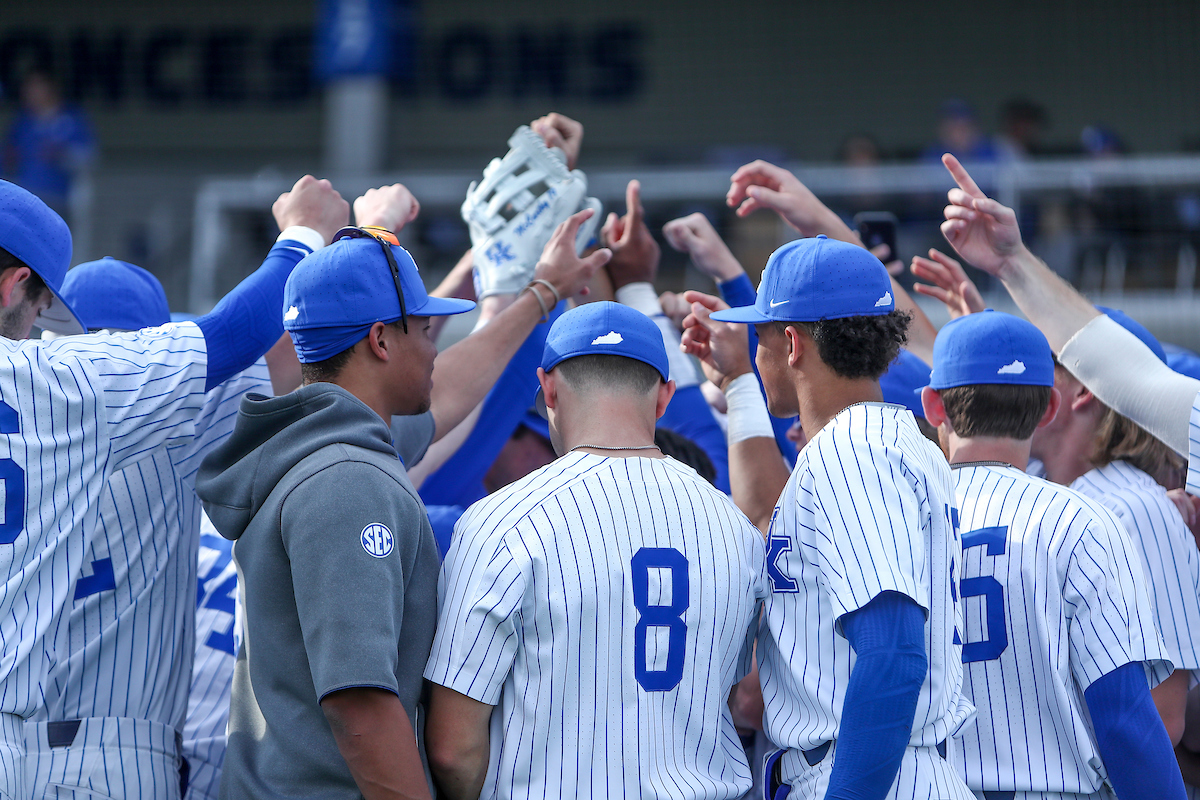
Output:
(958, 132)
(1022, 124)
(49, 142)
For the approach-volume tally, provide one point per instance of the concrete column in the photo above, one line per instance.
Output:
(356, 111)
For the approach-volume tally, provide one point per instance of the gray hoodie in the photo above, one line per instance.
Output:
(338, 571)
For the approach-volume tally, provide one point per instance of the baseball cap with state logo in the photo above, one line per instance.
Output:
(32, 232)
(603, 328)
(991, 347)
(807, 280)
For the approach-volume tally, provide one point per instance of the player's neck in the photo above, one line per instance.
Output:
(616, 425)
(990, 448)
(819, 403)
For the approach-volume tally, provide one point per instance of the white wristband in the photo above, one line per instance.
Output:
(304, 235)
(639, 296)
(748, 417)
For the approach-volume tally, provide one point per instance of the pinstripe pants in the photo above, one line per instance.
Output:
(923, 774)
(109, 757)
(12, 757)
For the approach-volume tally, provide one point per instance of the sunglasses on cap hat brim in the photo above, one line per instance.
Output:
(385, 238)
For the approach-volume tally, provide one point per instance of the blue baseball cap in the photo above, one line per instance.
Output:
(31, 231)
(903, 382)
(113, 294)
(334, 296)
(991, 347)
(1137, 329)
(812, 279)
(603, 328)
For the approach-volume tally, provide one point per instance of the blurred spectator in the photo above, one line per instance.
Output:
(49, 142)
(860, 150)
(1022, 123)
(959, 133)
(1100, 142)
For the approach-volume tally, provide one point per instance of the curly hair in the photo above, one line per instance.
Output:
(857, 347)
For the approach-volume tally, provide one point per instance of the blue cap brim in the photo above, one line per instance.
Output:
(441, 307)
(748, 315)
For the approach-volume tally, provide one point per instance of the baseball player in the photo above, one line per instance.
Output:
(77, 410)
(1121, 371)
(341, 511)
(594, 615)
(1059, 638)
(132, 612)
(217, 638)
(858, 650)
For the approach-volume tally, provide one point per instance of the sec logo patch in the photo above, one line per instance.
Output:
(377, 540)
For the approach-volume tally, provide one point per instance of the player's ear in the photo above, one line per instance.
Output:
(549, 384)
(377, 341)
(935, 410)
(10, 279)
(665, 392)
(1052, 408)
(796, 342)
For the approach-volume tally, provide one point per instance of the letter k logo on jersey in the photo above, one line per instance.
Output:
(777, 545)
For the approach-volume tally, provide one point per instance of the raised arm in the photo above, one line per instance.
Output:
(464, 373)
(1121, 371)
(757, 473)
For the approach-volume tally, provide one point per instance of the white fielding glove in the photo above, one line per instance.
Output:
(514, 210)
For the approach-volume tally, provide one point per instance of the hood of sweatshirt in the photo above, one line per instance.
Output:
(272, 435)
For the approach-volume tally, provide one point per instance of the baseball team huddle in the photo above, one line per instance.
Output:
(791, 542)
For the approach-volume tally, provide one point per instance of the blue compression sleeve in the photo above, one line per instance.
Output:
(443, 519)
(740, 292)
(459, 481)
(249, 320)
(1130, 736)
(690, 415)
(888, 637)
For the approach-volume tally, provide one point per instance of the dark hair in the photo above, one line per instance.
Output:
(599, 372)
(35, 287)
(328, 370)
(996, 409)
(683, 449)
(857, 347)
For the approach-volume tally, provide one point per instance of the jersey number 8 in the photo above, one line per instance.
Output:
(659, 616)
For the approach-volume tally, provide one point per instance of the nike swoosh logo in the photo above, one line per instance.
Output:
(779, 303)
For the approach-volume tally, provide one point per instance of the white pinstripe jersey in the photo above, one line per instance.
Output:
(129, 636)
(72, 412)
(607, 606)
(1167, 549)
(218, 636)
(1053, 599)
(869, 508)
(1193, 475)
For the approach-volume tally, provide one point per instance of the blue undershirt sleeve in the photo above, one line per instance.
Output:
(740, 292)
(1130, 736)
(459, 481)
(888, 637)
(249, 320)
(689, 414)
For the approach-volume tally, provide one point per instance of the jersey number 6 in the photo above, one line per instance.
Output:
(659, 616)
(13, 478)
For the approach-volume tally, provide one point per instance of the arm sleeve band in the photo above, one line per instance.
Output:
(748, 417)
(1130, 736)
(690, 415)
(641, 297)
(1126, 376)
(249, 320)
(888, 636)
(740, 292)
